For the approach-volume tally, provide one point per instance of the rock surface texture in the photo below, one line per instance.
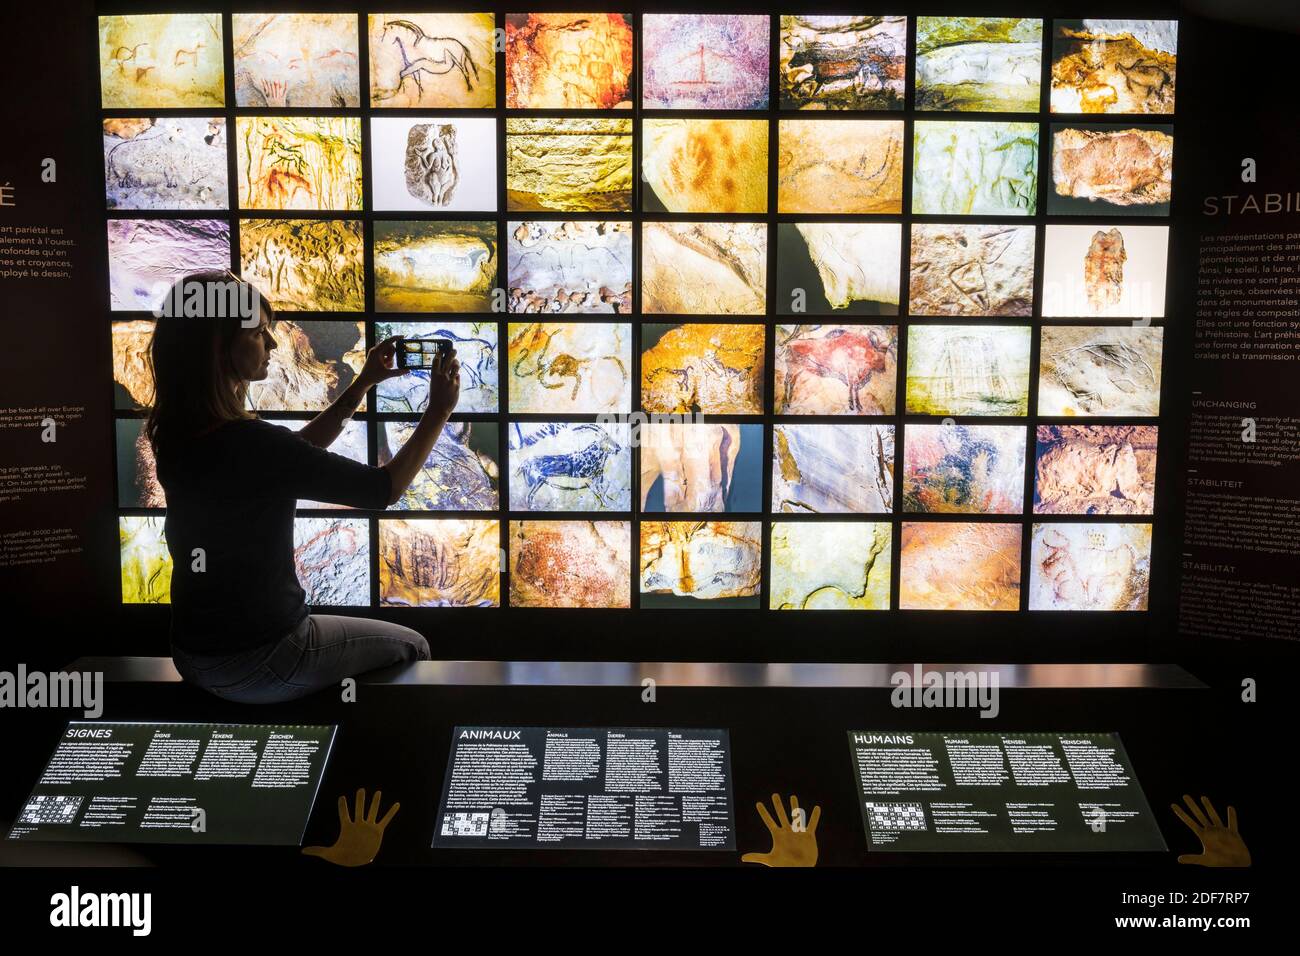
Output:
(832, 468)
(1131, 167)
(569, 165)
(438, 562)
(704, 268)
(570, 563)
(1115, 66)
(971, 270)
(830, 565)
(975, 169)
(570, 267)
(843, 62)
(713, 369)
(840, 166)
(568, 61)
(701, 559)
(1095, 469)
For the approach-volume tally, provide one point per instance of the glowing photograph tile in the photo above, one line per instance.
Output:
(959, 566)
(988, 64)
(689, 563)
(568, 164)
(439, 562)
(838, 268)
(305, 265)
(145, 256)
(572, 61)
(145, 561)
(839, 166)
(332, 559)
(1105, 272)
(710, 61)
(852, 62)
(569, 367)
(435, 266)
(968, 370)
(161, 61)
(1114, 66)
(585, 564)
(703, 268)
(704, 165)
(462, 472)
(701, 466)
(836, 369)
(971, 271)
(710, 369)
(964, 168)
(1090, 567)
(570, 466)
(569, 267)
(432, 60)
(299, 162)
(312, 364)
(827, 469)
(1093, 371)
(830, 566)
(964, 469)
(1095, 470)
(176, 162)
(476, 351)
(296, 59)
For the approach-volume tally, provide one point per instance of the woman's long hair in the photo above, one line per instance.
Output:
(195, 386)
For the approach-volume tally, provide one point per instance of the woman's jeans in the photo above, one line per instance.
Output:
(322, 651)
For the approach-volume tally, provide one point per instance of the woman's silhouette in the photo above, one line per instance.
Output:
(240, 625)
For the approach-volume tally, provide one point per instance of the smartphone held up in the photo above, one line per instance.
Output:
(419, 353)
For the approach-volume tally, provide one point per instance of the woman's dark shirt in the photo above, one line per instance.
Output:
(232, 493)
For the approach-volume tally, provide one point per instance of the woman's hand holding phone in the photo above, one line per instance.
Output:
(444, 392)
(444, 383)
(381, 363)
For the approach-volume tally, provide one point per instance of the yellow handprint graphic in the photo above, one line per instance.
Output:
(360, 836)
(791, 846)
(1220, 845)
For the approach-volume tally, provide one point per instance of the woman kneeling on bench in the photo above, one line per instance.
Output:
(240, 626)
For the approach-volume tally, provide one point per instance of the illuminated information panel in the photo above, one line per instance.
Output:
(178, 783)
(588, 787)
(999, 792)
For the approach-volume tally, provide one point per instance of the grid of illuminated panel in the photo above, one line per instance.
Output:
(793, 312)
